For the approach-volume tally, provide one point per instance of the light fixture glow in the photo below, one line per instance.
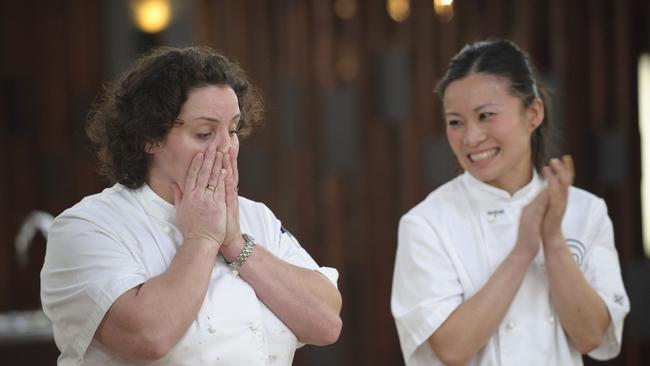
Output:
(444, 9)
(151, 16)
(398, 10)
(644, 129)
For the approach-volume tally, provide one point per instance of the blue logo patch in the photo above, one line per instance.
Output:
(285, 231)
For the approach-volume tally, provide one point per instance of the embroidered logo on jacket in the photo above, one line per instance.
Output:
(577, 250)
(619, 299)
(285, 231)
(492, 214)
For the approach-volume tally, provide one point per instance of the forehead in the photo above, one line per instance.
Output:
(213, 101)
(477, 89)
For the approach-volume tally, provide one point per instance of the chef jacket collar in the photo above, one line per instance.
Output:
(488, 194)
(155, 205)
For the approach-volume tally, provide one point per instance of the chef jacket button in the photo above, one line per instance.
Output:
(167, 229)
(551, 319)
(511, 325)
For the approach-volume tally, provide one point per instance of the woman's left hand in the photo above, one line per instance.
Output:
(233, 231)
(559, 174)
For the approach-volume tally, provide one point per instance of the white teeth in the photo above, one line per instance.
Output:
(484, 155)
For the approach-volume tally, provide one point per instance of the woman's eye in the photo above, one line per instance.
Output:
(453, 122)
(485, 115)
(204, 136)
(234, 132)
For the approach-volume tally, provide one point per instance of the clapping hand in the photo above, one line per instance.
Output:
(530, 224)
(559, 174)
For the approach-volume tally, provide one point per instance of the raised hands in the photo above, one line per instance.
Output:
(530, 224)
(559, 174)
(207, 208)
(233, 231)
(201, 204)
(541, 220)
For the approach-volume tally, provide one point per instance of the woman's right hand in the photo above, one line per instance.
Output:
(530, 225)
(201, 205)
(233, 230)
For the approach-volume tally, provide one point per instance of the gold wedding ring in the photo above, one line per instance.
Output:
(210, 187)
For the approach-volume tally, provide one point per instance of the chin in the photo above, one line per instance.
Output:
(482, 175)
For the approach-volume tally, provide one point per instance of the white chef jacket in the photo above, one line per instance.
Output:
(115, 240)
(450, 244)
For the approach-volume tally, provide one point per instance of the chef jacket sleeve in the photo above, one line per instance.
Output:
(286, 247)
(85, 270)
(603, 272)
(426, 288)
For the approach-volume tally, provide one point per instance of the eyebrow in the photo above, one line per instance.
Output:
(484, 105)
(475, 109)
(216, 120)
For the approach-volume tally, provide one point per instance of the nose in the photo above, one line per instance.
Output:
(223, 142)
(473, 135)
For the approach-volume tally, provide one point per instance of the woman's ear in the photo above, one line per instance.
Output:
(535, 113)
(151, 147)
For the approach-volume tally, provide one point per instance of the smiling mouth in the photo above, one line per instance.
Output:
(483, 155)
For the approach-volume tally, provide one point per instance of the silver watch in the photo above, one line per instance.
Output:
(249, 243)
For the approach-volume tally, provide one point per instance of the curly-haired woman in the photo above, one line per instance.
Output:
(169, 265)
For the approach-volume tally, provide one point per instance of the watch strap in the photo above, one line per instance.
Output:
(249, 244)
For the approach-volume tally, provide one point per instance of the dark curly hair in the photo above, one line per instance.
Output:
(142, 105)
(503, 58)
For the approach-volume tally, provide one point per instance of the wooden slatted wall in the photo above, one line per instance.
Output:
(353, 135)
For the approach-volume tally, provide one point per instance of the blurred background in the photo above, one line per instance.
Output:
(353, 134)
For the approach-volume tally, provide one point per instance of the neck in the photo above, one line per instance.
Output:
(513, 187)
(161, 188)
